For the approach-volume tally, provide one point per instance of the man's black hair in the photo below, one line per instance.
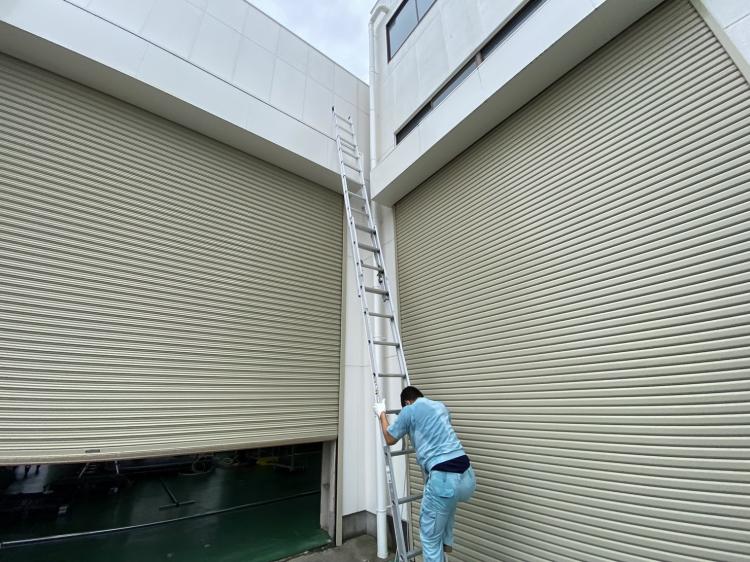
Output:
(410, 393)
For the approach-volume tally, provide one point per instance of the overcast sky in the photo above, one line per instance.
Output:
(338, 28)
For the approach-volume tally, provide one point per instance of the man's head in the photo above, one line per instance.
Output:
(409, 395)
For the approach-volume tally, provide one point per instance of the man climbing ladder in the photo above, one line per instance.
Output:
(449, 476)
(427, 421)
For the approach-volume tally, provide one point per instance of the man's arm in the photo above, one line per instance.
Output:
(379, 409)
(389, 439)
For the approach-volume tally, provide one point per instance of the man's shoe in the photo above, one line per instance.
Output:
(447, 548)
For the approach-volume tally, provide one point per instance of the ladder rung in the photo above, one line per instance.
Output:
(352, 167)
(413, 553)
(376, 290)
(369, 248)
(352, 194)
(386, 342)
(393, 411)
(402, 452)
(381, 315)
(364, 228)
(374, 268)
(337, 114)
(350, 153)
(391, 375)
(347, 144)
(408, 499)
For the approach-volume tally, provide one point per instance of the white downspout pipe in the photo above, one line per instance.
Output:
(380, 491)
(376, 11)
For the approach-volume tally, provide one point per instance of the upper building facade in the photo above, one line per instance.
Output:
(446, 72)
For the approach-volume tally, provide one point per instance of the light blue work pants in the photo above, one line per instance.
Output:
(442, 493)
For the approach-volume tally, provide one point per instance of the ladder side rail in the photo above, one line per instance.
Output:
(358, 271)
(398, 531)
(385, 282)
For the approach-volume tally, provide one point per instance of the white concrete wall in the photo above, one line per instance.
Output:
(358, 447)
(734, 17)
(448, 35)
(731, 22)
(224, 57)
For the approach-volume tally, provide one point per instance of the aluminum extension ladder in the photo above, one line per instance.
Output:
(368, 255)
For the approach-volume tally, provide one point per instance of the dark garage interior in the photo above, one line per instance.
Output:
(259, 505)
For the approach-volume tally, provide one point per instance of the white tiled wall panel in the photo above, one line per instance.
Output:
(190, 83)
(739, 32)
(459, 22)
(293, 50)
(431, 58)
(262, 29)
(231, 12)
(363, 95)
(82, 32)
(320, 68)
(254, 69)
(288, 89)
(131, 15)
(216, 47)
(318, 102)
(176, 34)
(345, 85)
(728, 12)
(733, 19)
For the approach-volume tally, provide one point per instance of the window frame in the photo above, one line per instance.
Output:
(468, 68)
(396, 12)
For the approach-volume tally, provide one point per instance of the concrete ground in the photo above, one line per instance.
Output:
(360, 549)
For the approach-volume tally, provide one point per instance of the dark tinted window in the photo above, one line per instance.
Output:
(440, 96)
(412, 124)
(455, 81)
(423, 6)
(401, 25)
(513, 24)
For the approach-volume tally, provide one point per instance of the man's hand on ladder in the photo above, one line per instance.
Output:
(379, 408)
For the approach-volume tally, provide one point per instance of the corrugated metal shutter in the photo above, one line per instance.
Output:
(159, 292)
(575, 288)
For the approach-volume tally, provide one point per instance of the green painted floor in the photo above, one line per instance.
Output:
(256, 534)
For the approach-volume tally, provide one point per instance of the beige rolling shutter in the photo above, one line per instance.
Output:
(575, 288)
(159, 292)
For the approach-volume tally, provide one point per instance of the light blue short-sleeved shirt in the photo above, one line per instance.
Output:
(428, 423)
